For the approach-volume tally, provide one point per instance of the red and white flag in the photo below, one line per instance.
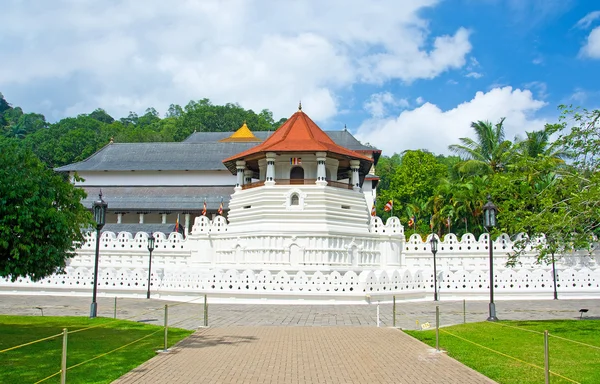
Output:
(204, 209)
(389, 206)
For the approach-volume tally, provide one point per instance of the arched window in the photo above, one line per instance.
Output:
(297, 175)
(295, 200)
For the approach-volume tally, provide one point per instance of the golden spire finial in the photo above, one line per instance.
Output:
(300, 105)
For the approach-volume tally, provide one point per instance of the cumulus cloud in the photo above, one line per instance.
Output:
(378, 103)
(588, 19)
(122, 56)
(430, 127)
(591, 48)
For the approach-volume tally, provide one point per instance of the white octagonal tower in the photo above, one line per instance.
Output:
(299, 181)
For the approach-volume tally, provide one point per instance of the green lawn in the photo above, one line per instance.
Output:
(576, 362)
(35, 362)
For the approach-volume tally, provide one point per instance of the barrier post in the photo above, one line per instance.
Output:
(205, 311)
(166, 327)
(546, 357)
(464, 311)
(437, 328)
(394, 312)
(63, 361)
(115, 313)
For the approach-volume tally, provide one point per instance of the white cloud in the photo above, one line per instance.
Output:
(475, 75)
(429, 127)
(588, 19)
(378, 103)
(591, 48)
(540, 87)
(121, 56)
(420, 100)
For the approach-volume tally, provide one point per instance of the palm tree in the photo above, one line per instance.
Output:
(538, 144)
(488, 153)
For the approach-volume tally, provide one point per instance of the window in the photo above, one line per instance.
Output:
(295, 200)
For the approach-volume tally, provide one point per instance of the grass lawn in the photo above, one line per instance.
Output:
(576, 362)
(35, 362)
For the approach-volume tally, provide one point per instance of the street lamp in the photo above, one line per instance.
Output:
(99, 207)
(434, 243)
(150, 249)
(489, 215)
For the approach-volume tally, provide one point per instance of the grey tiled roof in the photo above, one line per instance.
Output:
(160, 198)
(201, 151)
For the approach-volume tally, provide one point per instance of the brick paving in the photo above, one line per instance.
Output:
(265, 343)
(302, 355)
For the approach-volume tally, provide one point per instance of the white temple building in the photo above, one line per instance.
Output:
(298, 227)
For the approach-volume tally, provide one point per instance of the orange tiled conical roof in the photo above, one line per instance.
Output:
(298, 134)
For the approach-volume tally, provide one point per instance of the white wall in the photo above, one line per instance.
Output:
(154, 178)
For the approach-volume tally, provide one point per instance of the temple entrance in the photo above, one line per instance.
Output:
(297, 175)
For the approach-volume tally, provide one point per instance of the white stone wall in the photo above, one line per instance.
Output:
(311, 267)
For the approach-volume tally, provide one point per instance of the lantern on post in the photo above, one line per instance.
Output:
(433, 242)
(99, 207)
(151, 240)
(489, 216)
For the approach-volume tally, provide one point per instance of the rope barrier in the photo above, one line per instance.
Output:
(90, 327)
(508, 356)
(29, 343)
(549, 334)
(114, 350)
(576, 342)
(49, 377)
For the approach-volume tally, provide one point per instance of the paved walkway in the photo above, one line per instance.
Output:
(302, 355)
(190, 315)
(299, 343)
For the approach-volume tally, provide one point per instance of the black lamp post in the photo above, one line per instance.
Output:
(99, 208)
(150, 249)
(489, 215)
(434, 243)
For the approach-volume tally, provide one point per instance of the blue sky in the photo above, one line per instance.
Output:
(401, 75)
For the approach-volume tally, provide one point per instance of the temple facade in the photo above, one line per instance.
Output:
(295, 224)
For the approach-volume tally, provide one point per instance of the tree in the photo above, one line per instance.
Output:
(488, 153)
(41, 216)
(560, 203)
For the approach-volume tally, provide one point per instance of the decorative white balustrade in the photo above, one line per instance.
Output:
(214, 261)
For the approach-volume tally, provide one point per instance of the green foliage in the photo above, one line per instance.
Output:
(38, 361)
(41, 216)
(567, 358)
(488, 153)
(76, 138)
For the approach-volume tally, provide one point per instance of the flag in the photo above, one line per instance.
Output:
(389, 206)
(411, 222)
(374, 209)
(220, 211)
(431, 223)
(448, 222)
(177, 224)
(295, 160)
(204, 209)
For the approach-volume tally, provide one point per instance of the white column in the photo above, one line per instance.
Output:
(141, 217)
(270, 180)
(248, 176)
(187, 224)
(240, 165)
(321, 172)
(119, 217)
(354, 165)
(164, 218)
